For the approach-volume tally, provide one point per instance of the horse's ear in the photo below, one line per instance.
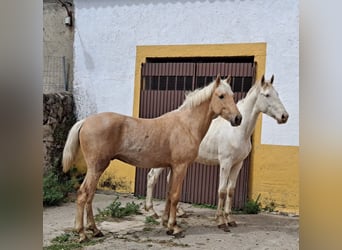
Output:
(262, 80)
(229, 80)
(218, 80)
(272, 78)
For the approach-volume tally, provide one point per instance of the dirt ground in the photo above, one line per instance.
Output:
(262, 231)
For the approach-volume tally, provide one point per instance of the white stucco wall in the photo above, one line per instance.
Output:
(107, 33)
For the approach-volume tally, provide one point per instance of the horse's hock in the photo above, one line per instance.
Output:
(58, 117)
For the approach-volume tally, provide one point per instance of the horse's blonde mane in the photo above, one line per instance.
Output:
(198, 96)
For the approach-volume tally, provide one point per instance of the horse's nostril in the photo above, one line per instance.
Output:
(284, 117)
(238, 119)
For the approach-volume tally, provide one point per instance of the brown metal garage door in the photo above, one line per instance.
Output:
(163, 85)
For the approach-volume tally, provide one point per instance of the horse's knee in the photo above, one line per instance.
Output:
(174, 204)
(231, 192)
(222, 194)
(151, 178)
(81, 197)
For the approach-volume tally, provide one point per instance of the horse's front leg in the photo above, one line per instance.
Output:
(222, 193)
(180, 211)
(166, 214)
(234, 173)
(178, 173)
(152, 178)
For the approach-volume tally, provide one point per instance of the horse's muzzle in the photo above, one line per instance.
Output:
(237, 120)
(283, 118)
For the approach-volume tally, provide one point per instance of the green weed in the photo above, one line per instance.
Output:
(270, 206)
(252, 207)
(68, 241)
(151, 220)
(115, 210)
(55, 189)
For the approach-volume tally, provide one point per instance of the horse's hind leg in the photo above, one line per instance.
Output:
(234, 172)
(81, 200)
(152, 178)
(93, 180)
(85, 196)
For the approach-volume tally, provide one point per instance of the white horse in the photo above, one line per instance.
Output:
(229, 146)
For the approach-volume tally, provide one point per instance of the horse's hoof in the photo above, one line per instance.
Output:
(183, 215)
(179, 235)
(98, 234)
(232, 224)
(224, 227)
(169, 232)
(155, 216)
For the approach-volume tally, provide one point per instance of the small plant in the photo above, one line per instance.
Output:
(62, 238)
(270, 207)
(115, 210)
(55, 189)
(252, 207)
(151, 220)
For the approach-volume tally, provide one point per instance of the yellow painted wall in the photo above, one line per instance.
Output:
(275, 174)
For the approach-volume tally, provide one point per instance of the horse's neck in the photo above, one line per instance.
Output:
(249, 113)
(199, 118)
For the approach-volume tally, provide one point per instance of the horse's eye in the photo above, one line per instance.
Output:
(267, 95)
(221, 96)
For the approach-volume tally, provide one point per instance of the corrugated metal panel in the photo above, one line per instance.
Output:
(201, 182)
(225, 69)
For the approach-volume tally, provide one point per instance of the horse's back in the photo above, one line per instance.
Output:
(136, 141)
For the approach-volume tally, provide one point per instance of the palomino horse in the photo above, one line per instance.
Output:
(229, 146)
(171, 140)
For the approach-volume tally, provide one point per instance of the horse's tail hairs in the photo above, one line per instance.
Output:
(71, 146)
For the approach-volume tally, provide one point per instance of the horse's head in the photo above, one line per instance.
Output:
(268, 101)
(222, 101)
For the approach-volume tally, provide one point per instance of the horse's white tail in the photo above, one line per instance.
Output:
(71, 146)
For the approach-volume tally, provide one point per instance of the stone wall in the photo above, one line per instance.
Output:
(58, 118)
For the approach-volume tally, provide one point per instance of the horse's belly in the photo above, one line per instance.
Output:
(143, 160)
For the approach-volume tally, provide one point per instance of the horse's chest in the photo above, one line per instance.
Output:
(241, 152)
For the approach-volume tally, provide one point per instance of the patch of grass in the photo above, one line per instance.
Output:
(205, 206)
(68, 241)
(252, 207)
(115, 210)
(151, 220)
(62, 238)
